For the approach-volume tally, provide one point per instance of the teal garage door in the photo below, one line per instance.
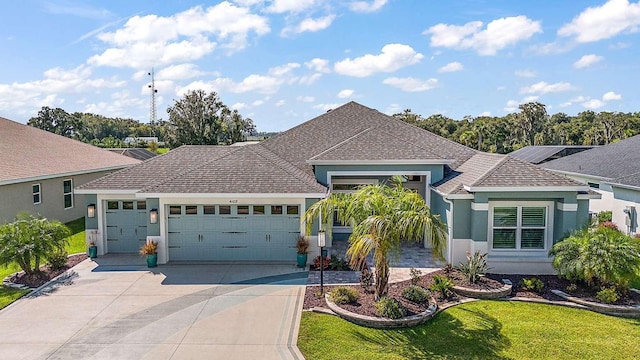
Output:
(233, 232)
(126, 225)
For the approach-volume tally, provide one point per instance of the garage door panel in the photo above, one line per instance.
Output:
(125, 226)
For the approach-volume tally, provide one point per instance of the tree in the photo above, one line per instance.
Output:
(29, 239)
(58, 122)
(235, 128)
(382, 218)
(531, 121)
(197, 119)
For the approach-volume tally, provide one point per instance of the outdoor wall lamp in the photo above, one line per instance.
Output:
(153, 216)
(91, 210)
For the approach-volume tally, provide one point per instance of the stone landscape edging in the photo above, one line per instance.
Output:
(617, 310)
(382, 323)
(504, 291)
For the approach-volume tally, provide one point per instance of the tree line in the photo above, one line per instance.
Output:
(531, 126)
(197, 118)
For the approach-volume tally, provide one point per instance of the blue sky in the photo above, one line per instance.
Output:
(282, 62)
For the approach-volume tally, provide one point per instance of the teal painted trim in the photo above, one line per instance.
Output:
(479, 224)
(437, 171)
(462, 219)
(626, 194)
(307, 205)
(582, 213)
(154, 229)
(90, 223)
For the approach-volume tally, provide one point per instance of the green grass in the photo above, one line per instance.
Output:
(161, 151)
(478, 330)
(635, 283)
(76, 245)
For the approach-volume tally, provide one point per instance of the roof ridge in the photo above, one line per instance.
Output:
(290, 168)
(491, 169)
(340, 143)
(233, 149)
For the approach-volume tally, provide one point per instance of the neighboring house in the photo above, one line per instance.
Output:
(136, 153)
(134, 140)
(39, 170)
(542, 153)
(244, 203)
(614, 172)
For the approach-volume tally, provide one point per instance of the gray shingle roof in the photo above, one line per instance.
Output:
(468, 173)
(539, 153)
(247, 169)
(609, 162)
(28, 152)
(136, 153)
(629, 180)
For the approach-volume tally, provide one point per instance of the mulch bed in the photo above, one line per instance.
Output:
(366, 302)
(46, 273)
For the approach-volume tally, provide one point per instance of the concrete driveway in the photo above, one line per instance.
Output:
(108, 310)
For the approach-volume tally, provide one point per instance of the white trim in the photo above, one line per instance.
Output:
(456, 196)
(623, 186)
(425, 173)
(39, 192)
(566, 207)
(524, 188)
(64, 194)
(588, 196)
(230, 195)
(67, 174)
(578, 174)
(106, 192)
(380, 162)
(480, 206)
(548, 241)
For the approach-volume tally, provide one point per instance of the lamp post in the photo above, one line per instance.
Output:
(322, 242)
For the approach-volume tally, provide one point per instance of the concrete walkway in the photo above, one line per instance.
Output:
(107, 310)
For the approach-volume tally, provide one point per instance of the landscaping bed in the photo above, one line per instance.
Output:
(46, 272)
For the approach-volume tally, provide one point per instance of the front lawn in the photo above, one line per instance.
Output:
(77, 244)
(478, 330)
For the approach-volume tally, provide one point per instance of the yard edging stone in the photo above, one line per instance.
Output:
(504, 291)
(617, 310)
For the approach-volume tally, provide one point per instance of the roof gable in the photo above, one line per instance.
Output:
(28, 152)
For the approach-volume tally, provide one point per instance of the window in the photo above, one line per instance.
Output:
(243, 209)
(258, 209)
(276, 209)
(35, 189)
(191, 210)
(175, 210)
(127, 205)
(519, 227)
(293, 209)
(209, 209)
(225, 209)
(350, 185)
(112, 205)
(593, 185)
(141, 205)
(68, 193)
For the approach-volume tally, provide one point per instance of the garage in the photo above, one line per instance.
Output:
(222, 232)
(126, 225)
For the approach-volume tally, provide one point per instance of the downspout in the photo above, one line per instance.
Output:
(450, 229)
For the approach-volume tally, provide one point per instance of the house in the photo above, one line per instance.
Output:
(613, 171)
(135, 140)
(226, 203)
(538, 154)
(39, 171)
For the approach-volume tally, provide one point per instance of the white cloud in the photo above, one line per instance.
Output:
(118, 105)
(309, 79)
(365, 7)
(544, 88)
(309, 24)
(149, 40)
(579, 98)
(498, 34)
(178, 72)
(345, 93)
(326, 107)
(306, 99)
(393, 109)
(284, 69)
(530, 98)
(451, 67)
(565, 104)
(411, 84)
(526, 73)
(512, 106)
(611, 96)
(280, 103)
(593, 104)
(319, 65)
(239, 106)
(603, 22)
(392, 58)
(258, 83)
(257, 103)
(485, 113)
(294, 6)
(587, 60)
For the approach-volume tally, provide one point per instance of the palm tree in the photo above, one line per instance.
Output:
(382, 218)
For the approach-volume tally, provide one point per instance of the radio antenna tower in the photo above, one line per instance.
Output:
(152, 86)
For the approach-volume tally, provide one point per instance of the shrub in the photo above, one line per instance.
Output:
(442, 285)
(343, 295)
(390, 308)
(337, 263)
(609, 225)
(608, 295)
(416, 294)
(572, 288)
(366, 279)
(603, 216)
(57, 259)
(415, 275)
(601, 257)
(325, 263)
(475, 266)
(532, 284)
(302, 245)
(30, 239)
(149, 248)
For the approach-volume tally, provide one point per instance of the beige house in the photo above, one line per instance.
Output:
(39, 171)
